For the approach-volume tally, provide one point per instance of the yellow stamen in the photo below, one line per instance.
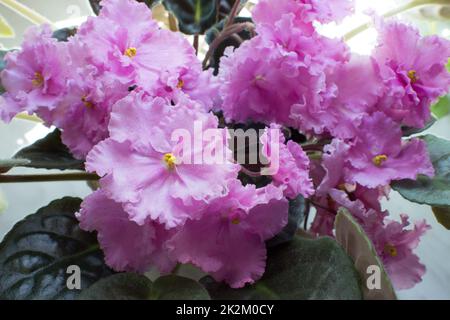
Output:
(412, 75)
(180, 84)
(259, 78)
(170, 160)
(38, 79)
(378, 160)
(87, 103)
(131, 52)
(391, 250)
(236, 221)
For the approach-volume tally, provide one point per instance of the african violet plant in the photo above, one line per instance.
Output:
(136, 109)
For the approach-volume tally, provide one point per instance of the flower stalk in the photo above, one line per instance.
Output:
(84, 176)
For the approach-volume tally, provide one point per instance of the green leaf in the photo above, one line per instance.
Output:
(2, 66)
(409, 131)
(297, 212)
(130, 286)
(358, 246)
(2, 59)
(64, 34)
(121, 286)
(35, 254)
(442, 215)
(95, 4)
(442, 107)
(174, 287)
(432, 191)
(300, 269)
(197, 16)
(232, 41)
(194, 16)
(47, 153)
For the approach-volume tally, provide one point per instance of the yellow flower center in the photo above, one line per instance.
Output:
(378, 160)
(412, 75)
(87, 103)
(38, 79)
(236, 221)
(259, 78)
(131, 52)
(180, 84)
(170, 160)
(391, 250)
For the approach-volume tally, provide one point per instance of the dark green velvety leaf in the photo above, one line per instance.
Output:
(259, 182)
(130, 286)
(194, 16)
(408, 131)
(432, 191)
(225, 7)
(121, 286)
(442, 215)
(95, 4)
(47, 153)
(359, 247)
(300, 269)
(234, 41)
(197, 16)
(174, 287)
(35, 254)
(64, 34)
(297, 212)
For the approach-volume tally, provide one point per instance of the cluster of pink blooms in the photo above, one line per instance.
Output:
(121, 86)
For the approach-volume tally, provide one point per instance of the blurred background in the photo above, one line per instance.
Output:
(19, 200)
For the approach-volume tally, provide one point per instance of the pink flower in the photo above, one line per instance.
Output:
(333, 160)
(35, 75)
(9, 107)
(352, 102)
(378, 155)
(305, 11)
(395, 245)
(144, 168)
(289, 164)
(83, 112)
(252, 85)
(323, 223)
(361, 202)
(276, 75)
(229, 240)
(413, 70)
(114, 38)
(127, 245)
(132, 48)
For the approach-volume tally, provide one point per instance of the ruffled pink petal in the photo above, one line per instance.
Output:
(127, 245)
